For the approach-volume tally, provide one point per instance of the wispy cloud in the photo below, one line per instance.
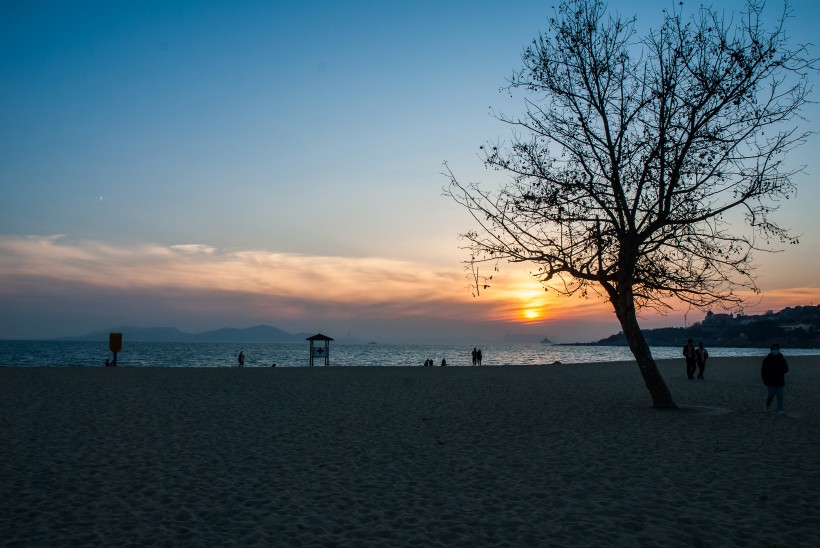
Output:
(201, 286)
(204, 267)
(54, 276)
(194, 248)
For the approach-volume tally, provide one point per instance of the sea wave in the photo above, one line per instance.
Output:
(144, 354)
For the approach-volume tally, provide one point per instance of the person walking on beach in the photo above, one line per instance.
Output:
(689, 354)
(475, 355)
(241, 358)
(479, 356)
(443, 362)
(772, 373)
(700, 357)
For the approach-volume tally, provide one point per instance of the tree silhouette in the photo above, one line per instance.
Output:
(632, 152)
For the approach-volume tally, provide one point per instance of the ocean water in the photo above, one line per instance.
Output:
(144, 354)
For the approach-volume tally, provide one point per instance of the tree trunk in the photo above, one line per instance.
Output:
(625, 310)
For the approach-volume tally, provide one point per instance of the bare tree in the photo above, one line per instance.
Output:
(631, 154)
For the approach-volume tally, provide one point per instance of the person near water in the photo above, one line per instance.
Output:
(773, 374)
(700, 358)
(689, 354)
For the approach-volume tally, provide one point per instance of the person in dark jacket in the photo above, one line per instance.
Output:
(772, 373)
(689, 354)
(700, 357)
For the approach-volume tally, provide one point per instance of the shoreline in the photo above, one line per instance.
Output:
(663, 363)
(558, 455)
(289, 355)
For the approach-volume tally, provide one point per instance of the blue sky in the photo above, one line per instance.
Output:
(209, 164)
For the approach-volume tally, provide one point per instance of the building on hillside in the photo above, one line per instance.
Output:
(808, 328)
(712, 318)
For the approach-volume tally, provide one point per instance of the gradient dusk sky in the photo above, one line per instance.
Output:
(228, 164)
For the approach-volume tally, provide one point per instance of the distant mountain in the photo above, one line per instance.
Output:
(795, 327)
(258, 333)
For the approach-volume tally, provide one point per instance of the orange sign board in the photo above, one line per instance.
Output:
(115, 342)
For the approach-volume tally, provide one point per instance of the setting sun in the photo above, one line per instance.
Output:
(532, 313)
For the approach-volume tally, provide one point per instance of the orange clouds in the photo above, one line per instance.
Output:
(192, 267)
(257, 284)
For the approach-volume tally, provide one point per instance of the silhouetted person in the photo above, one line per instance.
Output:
(479, 356)
(241, 358)
(475, 355)
(700, 357)
(772, 373)
(443, 362)
(691, 357)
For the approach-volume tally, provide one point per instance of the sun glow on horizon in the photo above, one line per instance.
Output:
(204, 281)
(531, 303)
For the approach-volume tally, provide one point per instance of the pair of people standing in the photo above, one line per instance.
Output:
(477, 357)
(772, 372)
(695, 359)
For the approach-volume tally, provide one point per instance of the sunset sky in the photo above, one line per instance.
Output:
(228, 164)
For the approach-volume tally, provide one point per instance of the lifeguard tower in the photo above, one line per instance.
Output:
(318, 350)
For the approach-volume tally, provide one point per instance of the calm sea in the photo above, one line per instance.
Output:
(144, 354)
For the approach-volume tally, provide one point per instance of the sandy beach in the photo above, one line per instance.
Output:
(564, 455)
